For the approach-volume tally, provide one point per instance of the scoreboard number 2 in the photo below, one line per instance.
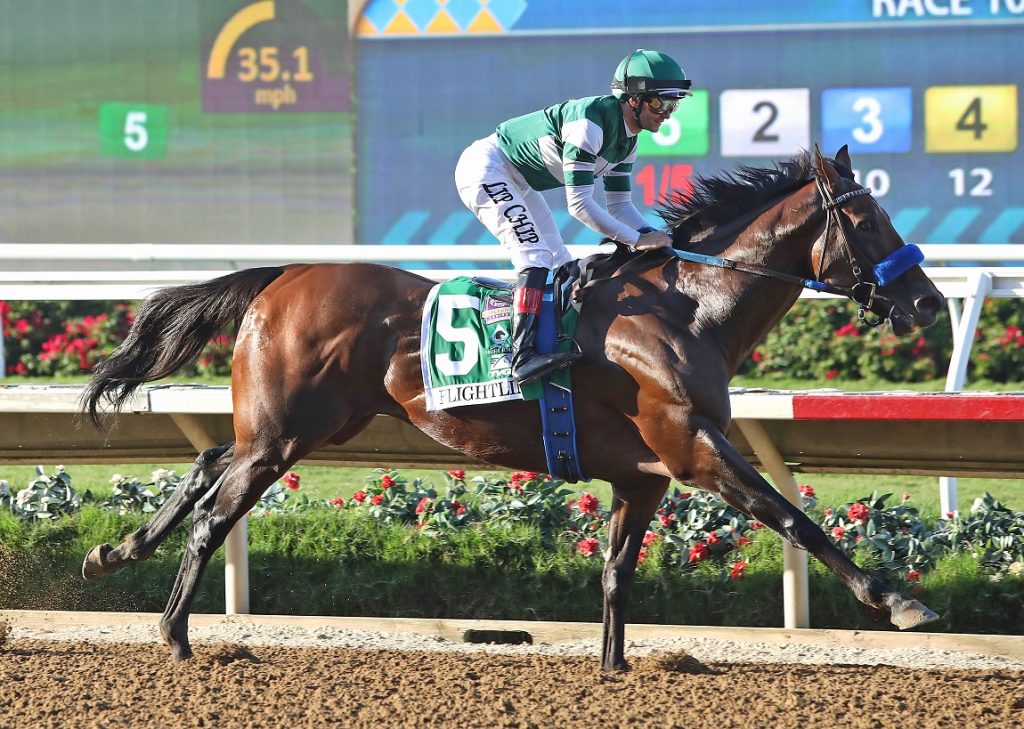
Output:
(970, 118)
(765, 122)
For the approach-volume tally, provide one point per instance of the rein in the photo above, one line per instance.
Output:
(863, 293)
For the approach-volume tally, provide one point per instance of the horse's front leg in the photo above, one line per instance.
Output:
(632, 511)
(720, 468)
(140, 544)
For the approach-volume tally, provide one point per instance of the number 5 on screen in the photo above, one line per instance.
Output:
(133, 130)
(868, 120)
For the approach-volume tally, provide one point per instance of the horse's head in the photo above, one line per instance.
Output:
(860, 251)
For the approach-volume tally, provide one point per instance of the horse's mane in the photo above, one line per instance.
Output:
(722, 198)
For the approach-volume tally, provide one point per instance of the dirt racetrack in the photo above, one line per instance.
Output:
(104, 684)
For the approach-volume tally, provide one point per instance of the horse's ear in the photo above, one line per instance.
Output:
(843, 156)
(823, 169)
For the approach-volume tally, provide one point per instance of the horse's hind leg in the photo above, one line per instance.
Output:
(632, 511)
(237, 491)
(140, 544)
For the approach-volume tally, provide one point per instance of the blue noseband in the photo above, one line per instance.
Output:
(897, 264)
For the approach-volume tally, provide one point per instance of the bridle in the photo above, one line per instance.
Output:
(864, 292)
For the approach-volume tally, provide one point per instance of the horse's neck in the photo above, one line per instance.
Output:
(746, 306)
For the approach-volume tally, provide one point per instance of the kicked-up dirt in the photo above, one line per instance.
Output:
(85, 684)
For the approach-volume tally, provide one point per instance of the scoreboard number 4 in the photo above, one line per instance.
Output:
(970, 118)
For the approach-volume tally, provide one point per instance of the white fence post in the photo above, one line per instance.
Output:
(795, 588)
(963, 339)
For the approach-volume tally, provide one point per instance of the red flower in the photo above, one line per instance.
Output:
(458, 474)
(519, 478)
(736, 572)
(587, 504)
(291, 480)
(459, 508)
(757, 525)
(906, 496)
(757, 356)
(831, 374)
(847, 330)
(913, 575)
(838, 532)
(742, 540)
(587, 547)
(642, 555)
(713, 538)
(423, 505)
(698, 552)
(386, 481)
(827, 512)
(807, 490)
(650, 538)
(666, 520)
(859, 512)
(359, 496)
(376, 499)
(337, 502)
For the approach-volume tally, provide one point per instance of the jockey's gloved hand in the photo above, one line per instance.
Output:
(653, 239)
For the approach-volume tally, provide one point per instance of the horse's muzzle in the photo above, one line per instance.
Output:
(922, 313)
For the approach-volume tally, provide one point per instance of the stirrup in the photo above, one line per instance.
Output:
(543, 365)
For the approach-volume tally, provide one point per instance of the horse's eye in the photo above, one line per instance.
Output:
(866, 226)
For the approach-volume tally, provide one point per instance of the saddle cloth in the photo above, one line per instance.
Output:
(466, 345)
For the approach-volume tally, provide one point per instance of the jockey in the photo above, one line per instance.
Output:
(567, 145)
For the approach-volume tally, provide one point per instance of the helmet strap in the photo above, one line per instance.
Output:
(636, 109)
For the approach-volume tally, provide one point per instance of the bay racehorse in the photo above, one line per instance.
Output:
(322, 349)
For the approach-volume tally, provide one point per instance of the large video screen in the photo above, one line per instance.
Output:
(926, 95)
(200, 121)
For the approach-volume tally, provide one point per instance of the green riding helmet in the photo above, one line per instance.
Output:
(649, 72)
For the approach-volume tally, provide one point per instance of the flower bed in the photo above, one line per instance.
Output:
(690, 528)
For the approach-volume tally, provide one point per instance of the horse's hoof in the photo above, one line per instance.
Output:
(912, 614)
(95, 564)
(181, 652)
(616, 667)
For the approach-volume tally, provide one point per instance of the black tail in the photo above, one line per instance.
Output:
(170, 331)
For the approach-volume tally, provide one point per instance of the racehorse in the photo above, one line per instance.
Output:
(322, 349)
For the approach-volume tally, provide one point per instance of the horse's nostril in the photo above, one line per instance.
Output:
(928, 306)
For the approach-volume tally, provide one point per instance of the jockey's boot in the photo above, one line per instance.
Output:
(528, 364)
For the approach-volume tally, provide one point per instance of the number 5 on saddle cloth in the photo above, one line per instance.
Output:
(466, 358)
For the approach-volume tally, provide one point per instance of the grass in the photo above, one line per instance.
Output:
(330, 562)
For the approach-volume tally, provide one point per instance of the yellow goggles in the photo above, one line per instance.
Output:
(661, 104)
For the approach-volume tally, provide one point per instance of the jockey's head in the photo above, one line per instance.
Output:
(651, 80)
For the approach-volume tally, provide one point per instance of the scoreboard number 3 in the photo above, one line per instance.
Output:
(877, 119)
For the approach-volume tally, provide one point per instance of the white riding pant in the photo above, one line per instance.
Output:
(516, 214)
